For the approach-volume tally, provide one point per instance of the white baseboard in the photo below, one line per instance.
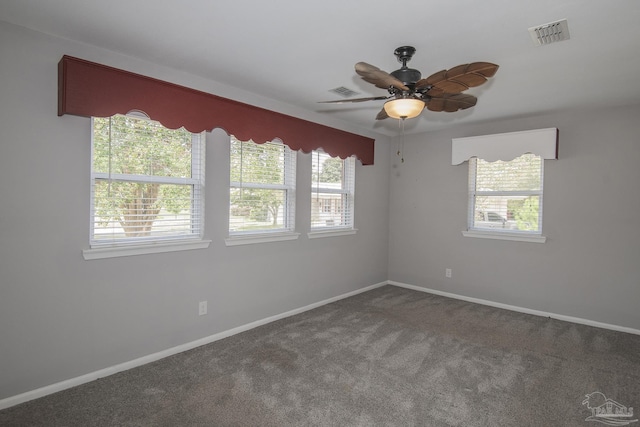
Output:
(92, 376)
(520, 309)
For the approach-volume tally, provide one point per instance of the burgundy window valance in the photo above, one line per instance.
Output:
(90, 89)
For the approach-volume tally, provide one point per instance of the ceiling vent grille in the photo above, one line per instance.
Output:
(344, 92)
(550, 33)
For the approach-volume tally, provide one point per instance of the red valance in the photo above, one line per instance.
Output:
(90, 89)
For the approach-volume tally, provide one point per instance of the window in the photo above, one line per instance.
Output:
(332, 192)
(506, 196)
(147, 183)
(262, 188)
(506, 182)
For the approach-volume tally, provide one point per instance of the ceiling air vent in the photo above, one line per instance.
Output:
(550, 33)
(344, 92)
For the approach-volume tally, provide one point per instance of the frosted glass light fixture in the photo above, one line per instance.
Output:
(404, 108)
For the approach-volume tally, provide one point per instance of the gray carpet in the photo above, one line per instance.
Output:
(388, 357)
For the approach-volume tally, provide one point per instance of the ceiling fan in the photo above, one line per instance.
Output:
(409, 93)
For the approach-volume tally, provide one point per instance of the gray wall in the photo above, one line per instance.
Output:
(590, 265)
(62, 316)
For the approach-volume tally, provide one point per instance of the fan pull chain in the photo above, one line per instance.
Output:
(400, 152)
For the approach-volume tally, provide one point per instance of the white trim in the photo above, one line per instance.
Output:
(317, 234)
(518, 237)
(151, 248)
(92, 376)
(506, 146)
(518, 309)
(106, 176)
(266, 186)
(251, 239)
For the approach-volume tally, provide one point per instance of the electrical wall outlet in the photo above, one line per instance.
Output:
(447, 273)
(202, 308)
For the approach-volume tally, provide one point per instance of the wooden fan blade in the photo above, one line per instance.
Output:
(345, 101)
(422, 83)
(487, 69)
(379, 78)
(458, 79)
(382, 115)
(450, 103)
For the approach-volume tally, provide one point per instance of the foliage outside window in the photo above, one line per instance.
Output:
(147, 182)
(332, 191)
(262, 188)
(506, 196)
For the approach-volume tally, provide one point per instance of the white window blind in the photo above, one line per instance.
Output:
(262, 188)
(506, 196)
(332, 191)
(147, 182)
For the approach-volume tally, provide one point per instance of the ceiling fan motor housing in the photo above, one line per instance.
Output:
(408, 76)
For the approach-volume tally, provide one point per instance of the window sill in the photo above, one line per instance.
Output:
(251, 239)
(505, 236)
(152, 248)
(318, 234)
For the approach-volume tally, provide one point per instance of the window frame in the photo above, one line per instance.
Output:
(149, 244)
(287, 232)
(347, 205)
(499, 233)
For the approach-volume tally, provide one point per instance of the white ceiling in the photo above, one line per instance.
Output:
(295, 51)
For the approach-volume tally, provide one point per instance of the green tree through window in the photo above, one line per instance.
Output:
(506, 195)
(147, 179)
(262, 188)
(332, 191)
